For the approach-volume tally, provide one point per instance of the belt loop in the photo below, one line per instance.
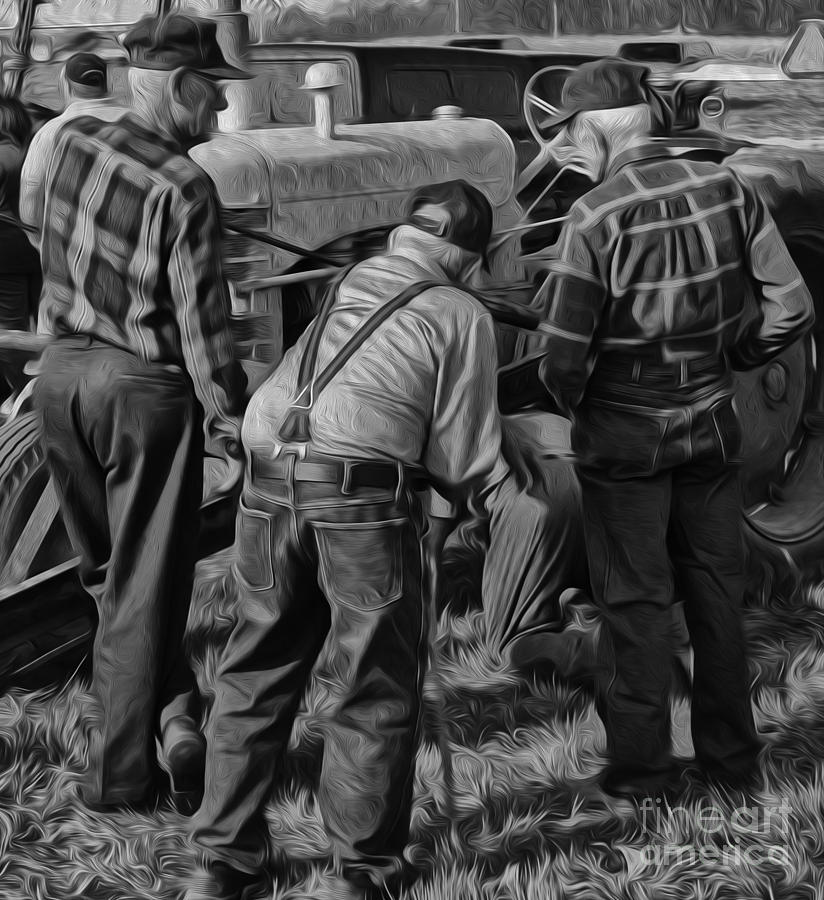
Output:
(401, 484)
(684, 372)
(636, 371)
(290, 458)
(346, 481)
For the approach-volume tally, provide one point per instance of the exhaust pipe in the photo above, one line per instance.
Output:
(321, 79)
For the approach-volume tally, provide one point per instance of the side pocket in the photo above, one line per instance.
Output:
(620, 438)
(361, 564)
(253, 549)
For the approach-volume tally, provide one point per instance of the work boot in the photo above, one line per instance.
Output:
(219, 881)
(183, 757)
(576, 652)
(636, 783)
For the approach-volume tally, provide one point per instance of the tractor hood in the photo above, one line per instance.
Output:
(295, 184)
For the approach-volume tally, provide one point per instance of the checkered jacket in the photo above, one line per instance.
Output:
(131, 255)
(668, 260)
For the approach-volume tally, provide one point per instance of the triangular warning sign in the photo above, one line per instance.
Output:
(805, 55)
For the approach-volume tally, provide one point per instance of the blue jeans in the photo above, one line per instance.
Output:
(317, 565)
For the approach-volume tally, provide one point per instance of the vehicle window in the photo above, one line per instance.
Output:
(805, 55)
(655, 51)
(487, 93)
(96, 12)
(8, 13)
(414, 93)
(278, 98)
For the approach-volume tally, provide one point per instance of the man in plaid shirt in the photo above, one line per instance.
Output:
(139, 368)
(669, 274)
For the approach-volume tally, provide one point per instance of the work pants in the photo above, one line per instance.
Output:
(536, 551)
(679, 526)
(315, 565)
(124, 443)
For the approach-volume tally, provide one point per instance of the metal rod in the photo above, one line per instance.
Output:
(527, 226)
(25, 341)
(293, 278)
(281, 244)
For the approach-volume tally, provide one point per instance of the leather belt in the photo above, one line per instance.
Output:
(347, 474)
(637, 370)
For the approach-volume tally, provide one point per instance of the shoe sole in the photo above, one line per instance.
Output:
(185, 774)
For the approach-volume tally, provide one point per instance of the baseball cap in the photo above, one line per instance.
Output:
(608, 83)
(455, 211)
(86, 69)
(178, 41)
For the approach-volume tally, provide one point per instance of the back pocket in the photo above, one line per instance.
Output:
(361, 564)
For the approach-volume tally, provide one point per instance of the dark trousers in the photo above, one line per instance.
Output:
(124, 443)
(536, 551)
(648, 537)
(314, 566)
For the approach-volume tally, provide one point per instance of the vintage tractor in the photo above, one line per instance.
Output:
(298, 203)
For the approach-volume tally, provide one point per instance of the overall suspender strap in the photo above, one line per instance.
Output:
(310, 354)
(295, 426)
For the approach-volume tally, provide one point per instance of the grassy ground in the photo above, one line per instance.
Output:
(528, 821)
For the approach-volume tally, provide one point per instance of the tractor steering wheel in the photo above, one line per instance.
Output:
(541, 99)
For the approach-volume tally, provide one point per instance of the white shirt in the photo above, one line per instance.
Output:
(421, 390)
(35, 166)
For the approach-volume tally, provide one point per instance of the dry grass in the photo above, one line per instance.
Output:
(526, 819)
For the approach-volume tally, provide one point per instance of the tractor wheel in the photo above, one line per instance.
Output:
(785, 425)
(45, 616)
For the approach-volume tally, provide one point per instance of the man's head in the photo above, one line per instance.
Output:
(460, 216)
(175, 75)
(605, 108)
(84, 77)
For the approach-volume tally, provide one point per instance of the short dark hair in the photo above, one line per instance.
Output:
(455, 211)
(15, 121)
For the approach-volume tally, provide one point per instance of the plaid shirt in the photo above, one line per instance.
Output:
(131, 255)
(670, 262)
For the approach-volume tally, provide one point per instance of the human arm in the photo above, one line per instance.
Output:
(572, 297)
(784, 307)
(33, 185)
(463, 452)
(202, 308)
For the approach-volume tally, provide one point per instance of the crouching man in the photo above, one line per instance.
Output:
(394, 380)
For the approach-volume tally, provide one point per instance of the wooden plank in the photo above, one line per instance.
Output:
(32, 536)
(41, 581)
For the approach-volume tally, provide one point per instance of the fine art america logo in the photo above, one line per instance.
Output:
(679, 835)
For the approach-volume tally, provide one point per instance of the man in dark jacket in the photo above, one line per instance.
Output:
(669, 274)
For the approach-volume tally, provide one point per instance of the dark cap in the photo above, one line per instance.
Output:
(88, 70)
(603, 84)
(178, 41)
(455, 211)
